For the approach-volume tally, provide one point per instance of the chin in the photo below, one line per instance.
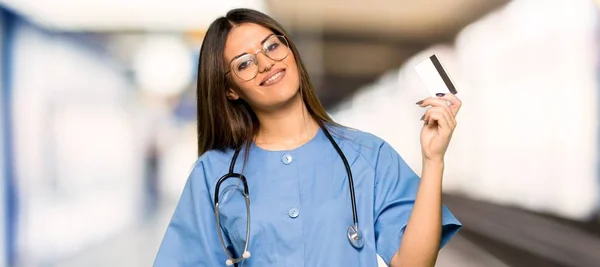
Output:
(287, 88)
(286, 96)
(288, 93)
(282, 92)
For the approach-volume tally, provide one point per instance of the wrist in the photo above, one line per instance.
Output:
(433, 163)
(433, 170)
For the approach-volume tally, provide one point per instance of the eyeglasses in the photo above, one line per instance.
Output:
(245, 67)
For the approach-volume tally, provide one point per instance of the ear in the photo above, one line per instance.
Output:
(232, 95)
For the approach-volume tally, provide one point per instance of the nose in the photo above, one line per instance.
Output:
(264, 62)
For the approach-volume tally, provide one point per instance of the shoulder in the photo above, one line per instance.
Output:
(368, 145)
(356, 138)
(211, 165)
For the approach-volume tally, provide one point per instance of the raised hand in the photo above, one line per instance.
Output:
(439, 124)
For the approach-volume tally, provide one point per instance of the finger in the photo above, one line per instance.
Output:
(436, 102)
(448, 111)
(432, 101)
(447, 116)
(442, 119)
(448, 120)
(455, 103)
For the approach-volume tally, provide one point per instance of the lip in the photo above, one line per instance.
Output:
(273, 72)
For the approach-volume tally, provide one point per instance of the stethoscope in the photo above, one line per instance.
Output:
(354, 235)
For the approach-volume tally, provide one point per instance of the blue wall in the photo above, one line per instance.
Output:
(9, 195)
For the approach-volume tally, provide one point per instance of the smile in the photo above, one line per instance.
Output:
(273, 79)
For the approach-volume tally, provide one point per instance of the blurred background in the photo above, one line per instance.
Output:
(97, 117)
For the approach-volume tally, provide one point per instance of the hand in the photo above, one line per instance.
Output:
(439, 123)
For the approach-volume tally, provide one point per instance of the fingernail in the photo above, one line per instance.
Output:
(419, 102)
(440, 94)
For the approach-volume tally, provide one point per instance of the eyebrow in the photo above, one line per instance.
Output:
(261, 43)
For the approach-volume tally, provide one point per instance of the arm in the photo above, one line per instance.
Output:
(411, 223)
(422, 237)
(191, 238)
(421, 241)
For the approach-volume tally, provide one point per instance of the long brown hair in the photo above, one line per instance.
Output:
(224, 123)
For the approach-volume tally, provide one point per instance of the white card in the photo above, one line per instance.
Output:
(434, 76)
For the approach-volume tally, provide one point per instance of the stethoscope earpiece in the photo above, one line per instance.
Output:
(246, 254)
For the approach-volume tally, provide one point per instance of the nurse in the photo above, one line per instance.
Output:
(306, 198)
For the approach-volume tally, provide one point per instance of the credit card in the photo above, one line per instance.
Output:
(434, 76)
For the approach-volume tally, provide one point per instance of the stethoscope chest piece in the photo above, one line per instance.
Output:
(355, 237)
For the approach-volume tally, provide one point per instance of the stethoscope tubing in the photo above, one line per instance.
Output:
(348, 173)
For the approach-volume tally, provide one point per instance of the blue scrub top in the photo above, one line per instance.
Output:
(300, 206)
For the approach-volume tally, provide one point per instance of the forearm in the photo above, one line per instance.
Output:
(420, 243)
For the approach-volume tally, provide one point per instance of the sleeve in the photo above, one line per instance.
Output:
(396, 187)
(191, 238)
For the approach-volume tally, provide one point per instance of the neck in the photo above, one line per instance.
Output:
(286, 128)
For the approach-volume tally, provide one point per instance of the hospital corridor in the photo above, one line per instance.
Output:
(98, 119)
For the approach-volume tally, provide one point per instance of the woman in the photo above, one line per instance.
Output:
(255, 98)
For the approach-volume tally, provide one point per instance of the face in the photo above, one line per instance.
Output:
(263, 69)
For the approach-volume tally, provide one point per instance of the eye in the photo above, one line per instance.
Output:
(244, 65)
(272, 46)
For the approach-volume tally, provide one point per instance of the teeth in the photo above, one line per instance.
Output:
(274, 77)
